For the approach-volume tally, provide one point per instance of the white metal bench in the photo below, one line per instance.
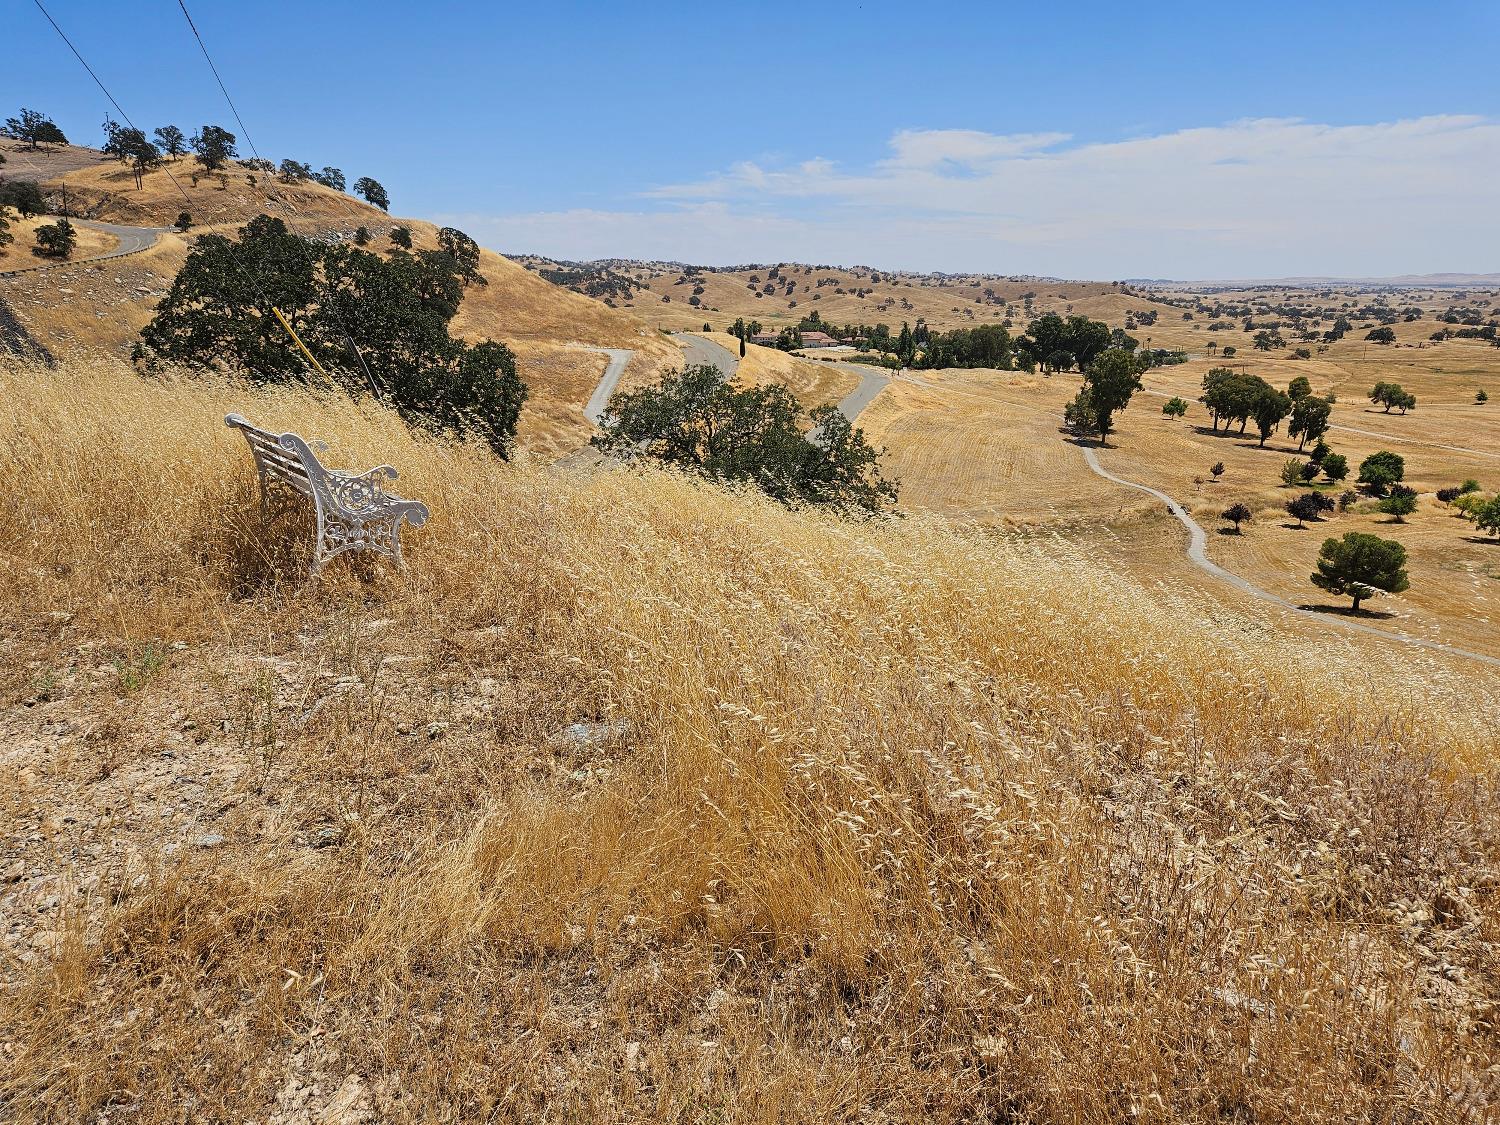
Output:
(355, 512)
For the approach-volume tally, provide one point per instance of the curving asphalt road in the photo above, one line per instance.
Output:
(618, 358)
(1198, 555)
(132, 241)
(872, 380)
(696, 349)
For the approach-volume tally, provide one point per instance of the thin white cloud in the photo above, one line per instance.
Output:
(1252, 197)
(968, 148)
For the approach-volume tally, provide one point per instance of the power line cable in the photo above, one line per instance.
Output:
(240, 121)
(244, 273)
(317, 368)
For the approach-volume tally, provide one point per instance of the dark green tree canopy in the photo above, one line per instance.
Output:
(1361, 565)
(1309, 419)
(129, 146)
(465, 254)
(218, 315)
(697, 420)
(34, 128)
(1109, 382)
(55, 240)
(214, 146)
(372, 192)
(1268, 408)
(25, 196)
(1382, 469)
(170, 139)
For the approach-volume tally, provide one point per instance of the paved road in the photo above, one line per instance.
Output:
(696, 349)
(872, 380)
(132, 240)
(1198, 555)
(618, 358)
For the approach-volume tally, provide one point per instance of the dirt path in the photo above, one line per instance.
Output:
(1198, 554)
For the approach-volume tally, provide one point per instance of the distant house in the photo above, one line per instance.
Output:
(767, 339)
(818, 340)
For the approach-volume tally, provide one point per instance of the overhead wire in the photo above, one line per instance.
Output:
(374, 385)
(254, 284)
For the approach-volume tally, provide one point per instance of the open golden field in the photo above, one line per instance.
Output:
(636, 799)
(985, 445)
(17, 255)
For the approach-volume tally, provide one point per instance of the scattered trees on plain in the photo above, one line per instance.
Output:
(1308, 506)
(1310, 418)
(1108, 385)
(1236, 514)
(1380, 470)
(1400, 502)
(1391, 395)
(1335, 467)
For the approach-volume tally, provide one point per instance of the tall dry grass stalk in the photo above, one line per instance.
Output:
(655, 802)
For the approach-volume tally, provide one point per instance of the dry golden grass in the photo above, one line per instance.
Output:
(814, 384)
(887, 821)
(955, 302)
(17, 255)
(984, 445)
(228, 198)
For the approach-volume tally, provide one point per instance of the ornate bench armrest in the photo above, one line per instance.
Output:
(386, 471)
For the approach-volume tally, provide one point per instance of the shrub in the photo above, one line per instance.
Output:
(1380, 470)
(55, 240)
(1236, 514)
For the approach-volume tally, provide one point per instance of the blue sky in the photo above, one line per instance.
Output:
(1082, 140)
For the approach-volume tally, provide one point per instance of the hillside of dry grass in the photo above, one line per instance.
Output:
(636, 799)
(664, 294)
(103, 305)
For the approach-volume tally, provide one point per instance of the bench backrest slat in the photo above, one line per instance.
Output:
(276, 459)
